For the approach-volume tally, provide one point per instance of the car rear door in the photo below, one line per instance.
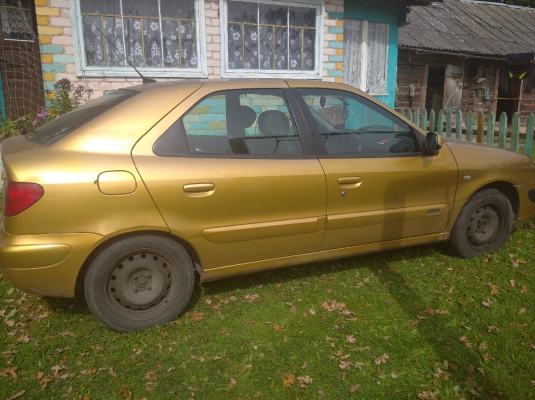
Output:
(379, 186)
(233, 174)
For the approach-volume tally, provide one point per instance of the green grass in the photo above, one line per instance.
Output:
(407, 324)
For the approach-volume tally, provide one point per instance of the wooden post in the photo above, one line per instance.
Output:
(480, 127)
(448, 124)
(432, 121)
(528, 148)
(491, 129)
(515, 134)
(459, 125)
(440, 123)
(423, 125)
(417, 117)
(503, 131)
(470, 126)
(409, 114)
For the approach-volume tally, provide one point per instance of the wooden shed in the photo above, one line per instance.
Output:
(451, 55)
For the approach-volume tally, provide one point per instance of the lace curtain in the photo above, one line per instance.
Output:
(16, 23)
(271, 37)
(137, 31)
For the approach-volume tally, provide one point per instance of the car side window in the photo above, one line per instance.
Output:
(350, 124)
(254, 122)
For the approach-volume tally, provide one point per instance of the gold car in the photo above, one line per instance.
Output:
(133, 193)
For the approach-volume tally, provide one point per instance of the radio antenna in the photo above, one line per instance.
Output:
(145, 80)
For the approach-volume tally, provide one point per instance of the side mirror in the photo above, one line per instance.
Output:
(432, 143)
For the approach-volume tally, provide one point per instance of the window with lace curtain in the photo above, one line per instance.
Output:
(366, 55)
(160, 38)
(271, 38)
(16, 20)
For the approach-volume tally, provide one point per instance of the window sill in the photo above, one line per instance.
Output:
(245, 73)
(129, 72)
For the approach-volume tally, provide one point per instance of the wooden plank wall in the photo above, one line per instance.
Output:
(412, 69)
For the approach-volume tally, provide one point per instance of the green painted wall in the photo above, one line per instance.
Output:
(386, 12)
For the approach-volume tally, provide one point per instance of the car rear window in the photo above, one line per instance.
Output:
(68, 123)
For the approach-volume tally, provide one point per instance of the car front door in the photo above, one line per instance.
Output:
(232, 174)
(380, 187)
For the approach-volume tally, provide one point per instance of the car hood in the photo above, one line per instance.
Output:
(475, 160)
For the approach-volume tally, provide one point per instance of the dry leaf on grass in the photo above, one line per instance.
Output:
(289, 381)
(382, 359)
(354, 388)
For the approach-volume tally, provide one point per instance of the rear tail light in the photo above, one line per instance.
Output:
(19, 196)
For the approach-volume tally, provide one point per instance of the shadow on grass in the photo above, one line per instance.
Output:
(76, 305)
(437, 330)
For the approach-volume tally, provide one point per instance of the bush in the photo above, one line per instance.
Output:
(65, 97)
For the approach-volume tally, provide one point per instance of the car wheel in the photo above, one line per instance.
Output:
(139, 282)
(483, 225)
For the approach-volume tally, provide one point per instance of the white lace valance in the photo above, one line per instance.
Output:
(16, 23)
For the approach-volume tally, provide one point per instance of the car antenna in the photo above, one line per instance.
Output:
(145, 80)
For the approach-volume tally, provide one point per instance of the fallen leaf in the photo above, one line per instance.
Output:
(351, 338)
(343, 365)
(494, 291)
(393, 375)
(382, 359)
(512, 282)
(289, 381)
(124, 393)
(195, 316)
(488, 303)
(304, 381)
(522, 311)
(9, 371)
(354, 388)
(524, 290)
(16, 395)
(112, 373)
(277, 327)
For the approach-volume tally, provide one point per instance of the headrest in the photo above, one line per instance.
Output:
(273, 123)
(244, 117)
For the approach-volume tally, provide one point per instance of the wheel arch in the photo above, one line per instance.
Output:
(509, 191)
(193, 254)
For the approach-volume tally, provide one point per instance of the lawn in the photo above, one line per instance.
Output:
(409, 324)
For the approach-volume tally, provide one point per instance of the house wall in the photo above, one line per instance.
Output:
(58, 57)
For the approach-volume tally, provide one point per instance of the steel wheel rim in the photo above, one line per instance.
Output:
(485, 225)
(141, 284)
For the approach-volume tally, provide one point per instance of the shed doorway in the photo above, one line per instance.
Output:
(435, 89)
(509, 100)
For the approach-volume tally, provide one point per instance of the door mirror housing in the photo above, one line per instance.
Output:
(432, 144)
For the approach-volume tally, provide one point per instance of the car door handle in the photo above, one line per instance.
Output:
(348, 182)
(199, 187)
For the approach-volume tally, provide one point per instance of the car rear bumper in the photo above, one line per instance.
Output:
(526, 194)
(47, 265)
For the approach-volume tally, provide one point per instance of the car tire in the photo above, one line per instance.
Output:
(483, 225)
(139, 282)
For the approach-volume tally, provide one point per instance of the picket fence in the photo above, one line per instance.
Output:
(450, 124)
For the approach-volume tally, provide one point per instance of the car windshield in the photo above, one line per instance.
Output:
(64, 125)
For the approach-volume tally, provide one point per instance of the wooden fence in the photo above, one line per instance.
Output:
(451, 124)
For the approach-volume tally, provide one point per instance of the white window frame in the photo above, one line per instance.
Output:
(226, 72)
(363, 60)
(84, 70)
